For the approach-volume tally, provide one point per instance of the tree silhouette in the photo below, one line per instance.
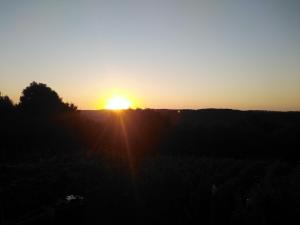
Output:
(39, 99)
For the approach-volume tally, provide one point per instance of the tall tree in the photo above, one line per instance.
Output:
(39, 99)
(6, 104)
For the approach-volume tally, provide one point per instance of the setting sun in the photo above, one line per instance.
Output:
(118, 103)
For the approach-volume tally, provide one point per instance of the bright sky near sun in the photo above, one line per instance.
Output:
(117, 103)
(161, 53)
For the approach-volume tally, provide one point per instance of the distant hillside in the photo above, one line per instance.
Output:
(95, 115)
(210, 117)
(221, 132)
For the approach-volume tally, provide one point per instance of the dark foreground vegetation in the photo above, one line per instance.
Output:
(59, 165)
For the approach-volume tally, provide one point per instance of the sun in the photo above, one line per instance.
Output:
(118, 103)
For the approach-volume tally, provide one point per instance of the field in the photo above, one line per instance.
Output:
(168, 189)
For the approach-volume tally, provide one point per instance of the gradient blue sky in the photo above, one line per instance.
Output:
(163, 53)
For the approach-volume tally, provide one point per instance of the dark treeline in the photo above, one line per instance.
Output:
(60, 165)
(40, 125)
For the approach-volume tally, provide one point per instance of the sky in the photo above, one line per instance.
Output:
(237, 54)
